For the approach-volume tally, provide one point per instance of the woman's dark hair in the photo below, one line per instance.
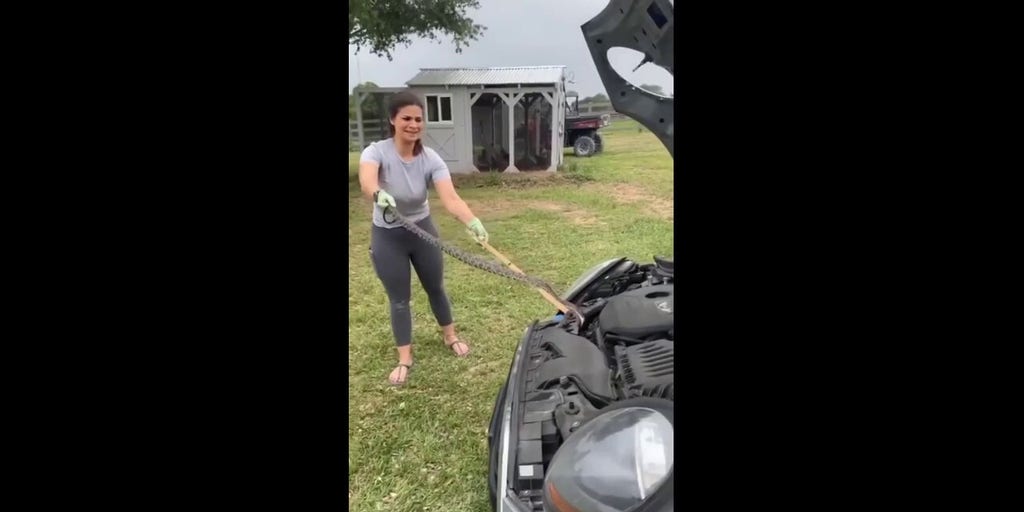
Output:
(398, 102)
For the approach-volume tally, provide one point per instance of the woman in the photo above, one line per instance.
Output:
(395, 172)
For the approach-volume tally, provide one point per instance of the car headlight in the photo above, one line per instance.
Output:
(613, 462)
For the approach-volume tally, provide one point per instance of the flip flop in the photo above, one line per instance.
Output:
(452, 344)
(401, 382)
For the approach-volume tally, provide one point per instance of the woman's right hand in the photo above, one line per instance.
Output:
(383, 199)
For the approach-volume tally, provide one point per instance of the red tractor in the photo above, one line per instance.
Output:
(581, 131)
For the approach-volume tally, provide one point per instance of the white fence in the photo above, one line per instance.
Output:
(595, 108)
(370, 128)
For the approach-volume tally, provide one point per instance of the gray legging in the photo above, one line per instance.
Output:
(391, 251)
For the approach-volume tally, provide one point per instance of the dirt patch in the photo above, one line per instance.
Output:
(493, 208)
(632, 194)
(582, 218)
(501, 208)
(518, 180)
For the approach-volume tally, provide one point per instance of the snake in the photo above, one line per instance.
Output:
(478, 262)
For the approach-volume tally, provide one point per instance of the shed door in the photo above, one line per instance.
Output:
(441, 140)
(440, 134)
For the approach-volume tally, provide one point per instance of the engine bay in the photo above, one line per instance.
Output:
(621, 348)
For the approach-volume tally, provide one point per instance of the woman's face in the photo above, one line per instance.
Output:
(408, 123)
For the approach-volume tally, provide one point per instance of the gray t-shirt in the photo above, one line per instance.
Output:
(406, 181)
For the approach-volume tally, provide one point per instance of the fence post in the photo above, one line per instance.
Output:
(359, 117)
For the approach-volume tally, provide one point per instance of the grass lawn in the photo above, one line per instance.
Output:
(424, 446)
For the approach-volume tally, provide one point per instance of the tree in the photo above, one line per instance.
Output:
(380, 25)
(371, 109)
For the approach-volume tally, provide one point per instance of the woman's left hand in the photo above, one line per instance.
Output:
(476, 230)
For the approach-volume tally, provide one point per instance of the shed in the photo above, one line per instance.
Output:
(477, 117)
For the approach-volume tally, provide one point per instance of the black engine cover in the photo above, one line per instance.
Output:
(641, 312)
(648, 369)
(578, 359)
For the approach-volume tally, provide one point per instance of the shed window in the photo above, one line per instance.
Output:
(439, 108)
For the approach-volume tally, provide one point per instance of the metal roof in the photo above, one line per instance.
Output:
(489, 76)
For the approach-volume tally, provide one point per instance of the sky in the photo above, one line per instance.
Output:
(518, 33)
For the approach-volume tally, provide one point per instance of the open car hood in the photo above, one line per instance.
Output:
(646, 26)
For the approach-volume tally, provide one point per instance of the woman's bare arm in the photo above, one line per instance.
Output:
(368, 182)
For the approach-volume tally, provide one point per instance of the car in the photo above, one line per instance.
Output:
(585, 420)
(585, 417)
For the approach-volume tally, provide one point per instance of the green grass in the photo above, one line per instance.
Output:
(423, 447)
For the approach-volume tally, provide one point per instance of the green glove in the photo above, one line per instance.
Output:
(476, 230)
(383, 199)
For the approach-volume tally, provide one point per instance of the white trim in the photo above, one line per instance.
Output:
(518, 89)
(451, 110)
(511, 100)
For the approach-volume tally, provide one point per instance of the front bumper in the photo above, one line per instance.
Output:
(500, 435)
